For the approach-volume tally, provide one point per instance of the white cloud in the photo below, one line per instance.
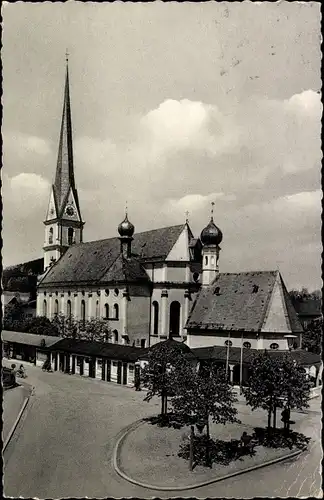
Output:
(25, 194)
(21, 145)
(307, 102)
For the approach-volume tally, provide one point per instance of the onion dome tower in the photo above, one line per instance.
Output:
(126, 231)
(211, 236)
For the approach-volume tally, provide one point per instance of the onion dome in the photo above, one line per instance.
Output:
(211, 235)
(126, 228)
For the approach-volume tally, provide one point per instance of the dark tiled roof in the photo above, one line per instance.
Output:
(128, 270)
(219, 353)
(89, 262)
(236, 307)
(28, 338)
(230, 304)
(100, 349)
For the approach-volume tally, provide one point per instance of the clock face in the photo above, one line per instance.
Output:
(69, 210)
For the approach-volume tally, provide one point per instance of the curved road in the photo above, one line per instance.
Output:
(63, 446)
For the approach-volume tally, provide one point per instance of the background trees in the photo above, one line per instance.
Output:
(312, 336)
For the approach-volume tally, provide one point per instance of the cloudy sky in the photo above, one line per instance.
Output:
(173, 106)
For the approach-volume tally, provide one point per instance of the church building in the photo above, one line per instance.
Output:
(159, 284)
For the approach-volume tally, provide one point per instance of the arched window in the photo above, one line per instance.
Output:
(68, 309)
(56, 307)
(106, 311)
(212, 260)
(45, 308)
(155, 318)
(116, 292)
(247, 345)
(50, 236)
(97, 309)
(83, 311)
(228, 343)
(115, 336)
(70, 235)
(206, 260)
(274, 346)
(174, 328)
(116, 311)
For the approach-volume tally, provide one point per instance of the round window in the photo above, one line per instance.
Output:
(247, 345)
(228, 343)
(274, 346)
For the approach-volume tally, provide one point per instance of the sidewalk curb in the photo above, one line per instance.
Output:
(13, 428)
(130, 428)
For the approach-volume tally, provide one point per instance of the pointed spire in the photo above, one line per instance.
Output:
(64, 178)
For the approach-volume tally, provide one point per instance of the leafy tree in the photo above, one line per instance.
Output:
(166, 360)
(201, 395)
(313, 336)
(294, 385)
(40, 325)
(94, 329)
(263, 386)
(66, 327)
(13, 318)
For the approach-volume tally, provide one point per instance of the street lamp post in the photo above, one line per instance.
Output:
(227, 354)
(241, 364)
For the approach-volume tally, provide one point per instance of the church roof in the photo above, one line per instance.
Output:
(96, 261)
(239, 301)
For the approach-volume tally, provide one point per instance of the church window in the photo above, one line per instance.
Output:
(56, 307)
(247, 345)
(97, 309)
(228, 343)
(212, 260)
(206, 260)
(45, 308)
(68, 309)
(274, 346)
(50, 236)
(174, 325)
(70, 236)
(116, 292)
(106, 311)
(155, 318)
(83, 311)
(116, 311)
(107, 292)
(115, 336)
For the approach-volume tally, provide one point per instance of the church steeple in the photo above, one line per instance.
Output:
(63, 224)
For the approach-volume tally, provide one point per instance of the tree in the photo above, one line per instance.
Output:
(201, 395)
(312, 336)
(275, 383)
(94, 329)
(40, 325)
(66, 327)
(263, 386)
(14, 318)
(294, 385)
(166, 360)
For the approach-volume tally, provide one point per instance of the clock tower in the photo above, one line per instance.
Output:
(63, 223)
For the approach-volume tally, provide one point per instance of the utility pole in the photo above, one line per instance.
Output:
(191, 444)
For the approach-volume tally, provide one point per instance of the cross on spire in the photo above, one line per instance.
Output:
(67, 56)
(212, 209)
(187, 216)
(126, 209)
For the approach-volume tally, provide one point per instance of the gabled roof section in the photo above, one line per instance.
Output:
(91, 261)
(180, 250)
(235, 301)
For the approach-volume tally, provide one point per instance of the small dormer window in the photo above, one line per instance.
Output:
(255, 289)
(217, 290)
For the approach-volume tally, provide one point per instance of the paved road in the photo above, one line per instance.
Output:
(63, 446)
